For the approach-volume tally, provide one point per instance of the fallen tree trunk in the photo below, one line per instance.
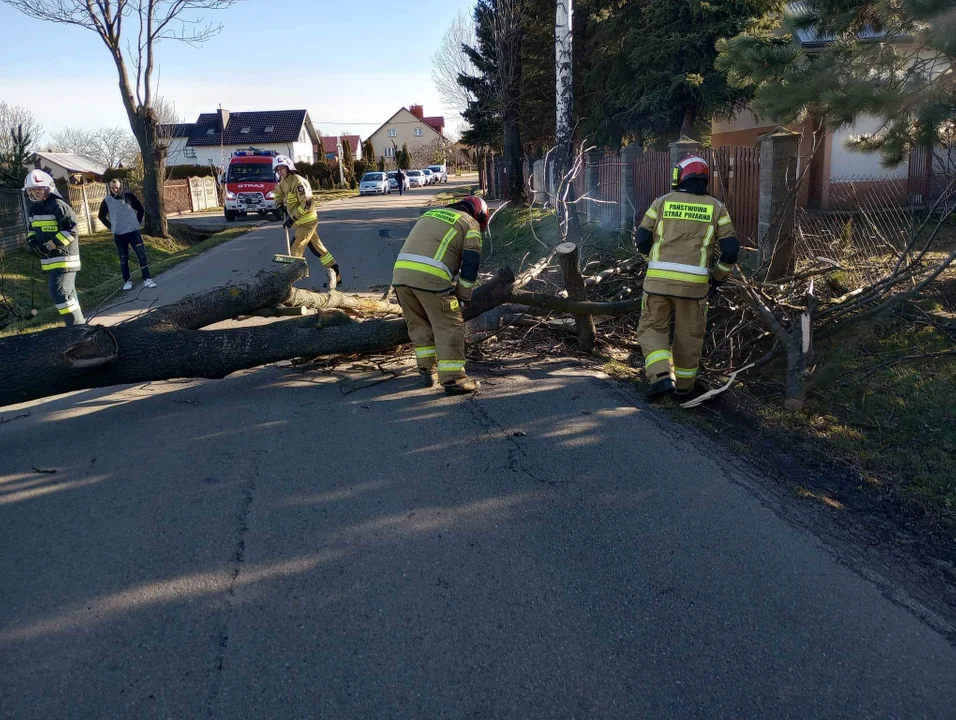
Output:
(169, 343)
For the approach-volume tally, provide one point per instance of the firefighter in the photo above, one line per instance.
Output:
(52, 236)
(294, 193)
(444, 243)
(681, 236)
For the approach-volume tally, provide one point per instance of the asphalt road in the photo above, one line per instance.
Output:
(296, 545)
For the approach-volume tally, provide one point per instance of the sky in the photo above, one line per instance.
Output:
(350, 64)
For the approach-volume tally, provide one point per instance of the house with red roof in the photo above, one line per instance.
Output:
(330, 144)
(424, 135)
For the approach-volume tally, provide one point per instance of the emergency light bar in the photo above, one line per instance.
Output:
(252, 152)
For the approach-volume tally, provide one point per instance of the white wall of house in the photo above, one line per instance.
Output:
(180, 154)
(845, 162)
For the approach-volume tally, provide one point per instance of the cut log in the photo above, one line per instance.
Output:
(583, 307)
(169, 343)
(568, 258)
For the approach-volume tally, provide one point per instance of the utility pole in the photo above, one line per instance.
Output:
(564, 95)
(338, 150)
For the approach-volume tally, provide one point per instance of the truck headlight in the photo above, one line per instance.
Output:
(230, 195)
(270, 196)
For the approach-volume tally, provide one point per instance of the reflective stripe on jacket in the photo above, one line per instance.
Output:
(295, 193)
(687, 229)
(444, 243)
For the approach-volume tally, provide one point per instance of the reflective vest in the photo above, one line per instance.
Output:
(53, 220)
(296, 194)
(432, 254)
(687, 230)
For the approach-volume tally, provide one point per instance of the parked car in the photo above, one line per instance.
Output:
(440, 171)
(374, 183)
(416, 178)
(429, 178)
(392, 182)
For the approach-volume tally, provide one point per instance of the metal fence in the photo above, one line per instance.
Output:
(13, 220)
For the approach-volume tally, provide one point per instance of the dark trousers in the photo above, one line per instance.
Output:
(401, 187)
(63, 295)
(123, 243)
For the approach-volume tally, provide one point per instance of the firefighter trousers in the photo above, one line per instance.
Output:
(437, 330)
(63, 294)
(654, 331)
(306, 236)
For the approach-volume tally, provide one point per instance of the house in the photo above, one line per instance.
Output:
(834, 166)
(330, 145)
(214, 136)
(67, 166)
(424, 136)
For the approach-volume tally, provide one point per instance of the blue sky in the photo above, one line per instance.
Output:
(350, 64)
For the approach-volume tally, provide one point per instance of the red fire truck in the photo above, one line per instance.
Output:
(250, 184)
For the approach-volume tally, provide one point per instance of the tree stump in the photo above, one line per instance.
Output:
(569, 258)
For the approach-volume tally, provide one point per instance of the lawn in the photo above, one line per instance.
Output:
(25, 285)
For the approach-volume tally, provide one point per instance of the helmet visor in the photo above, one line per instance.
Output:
(38, 194)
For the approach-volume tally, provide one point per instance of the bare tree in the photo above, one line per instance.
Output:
(449, 62)
(13, 117)
(114, 146)
(131, 31)
(564, 96)
(78, 141)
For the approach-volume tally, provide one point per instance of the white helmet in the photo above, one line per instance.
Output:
(283, 160)
(37, 179)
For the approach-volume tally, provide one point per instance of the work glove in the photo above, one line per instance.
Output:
(288, 222)
(714, 289)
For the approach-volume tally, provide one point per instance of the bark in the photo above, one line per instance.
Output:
(169, 343)
(584, 307)
(568, 258)
(564, 95)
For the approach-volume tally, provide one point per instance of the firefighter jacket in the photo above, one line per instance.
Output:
(295, 193)
(444, 243)
(53, 224)
(686, 233)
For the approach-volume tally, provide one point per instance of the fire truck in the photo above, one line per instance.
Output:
(250, 184)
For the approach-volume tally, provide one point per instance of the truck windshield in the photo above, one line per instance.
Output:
(251, 172)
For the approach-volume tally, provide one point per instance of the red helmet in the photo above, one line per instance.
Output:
(478, 209)
(689, 168)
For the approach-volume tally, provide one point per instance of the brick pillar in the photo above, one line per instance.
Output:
(682, 148)
(629, 157)
(778, 171)
(591, 182)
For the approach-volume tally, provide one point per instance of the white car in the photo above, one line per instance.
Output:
(393, 182)
(416, 178)
(439, 172)
(374, 183)
(429, 178)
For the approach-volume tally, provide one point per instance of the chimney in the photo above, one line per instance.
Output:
(417, 110)
(223, 119)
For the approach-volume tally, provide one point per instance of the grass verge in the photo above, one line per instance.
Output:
(25, 284)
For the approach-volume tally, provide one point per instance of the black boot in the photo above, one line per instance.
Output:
(660, 387)
(428, 377)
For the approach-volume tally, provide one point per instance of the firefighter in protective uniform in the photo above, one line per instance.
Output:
(688, 240)
(53, 236)
(294, 193)
(445, 243)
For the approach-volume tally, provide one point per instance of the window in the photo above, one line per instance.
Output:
(189, 152)
(245, 130)
(418, 132)
(270, 128)
(391, 132)
(211, 131)
(389, 152)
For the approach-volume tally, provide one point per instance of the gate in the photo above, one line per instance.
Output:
(609, 191)
(652, 178)
(735, 181)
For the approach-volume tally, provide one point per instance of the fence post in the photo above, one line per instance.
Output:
(629, 157)
(591, 183)
(682, 148)
(86, 208)
(778, 166)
